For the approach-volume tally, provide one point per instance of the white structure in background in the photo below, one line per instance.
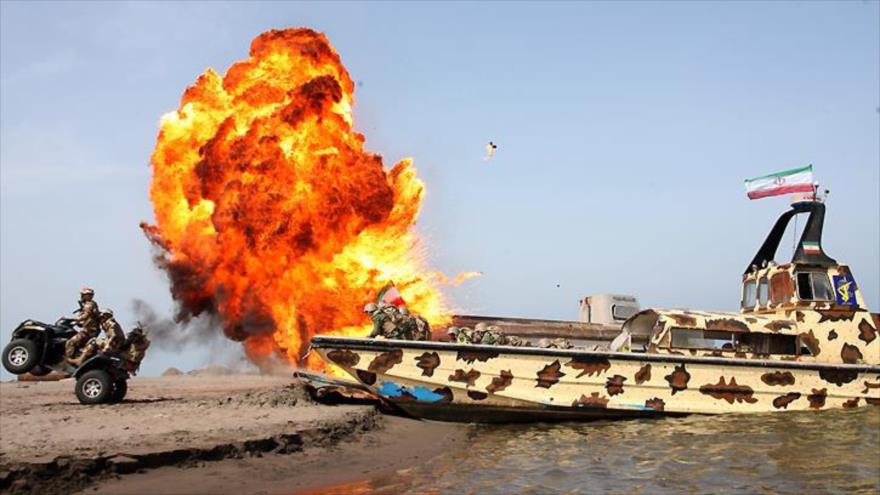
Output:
(607, 309)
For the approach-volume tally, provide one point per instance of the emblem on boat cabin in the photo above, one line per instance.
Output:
(845, 289)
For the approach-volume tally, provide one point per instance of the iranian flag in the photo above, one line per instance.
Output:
(811, 247)
(790, 181)
(390, 295)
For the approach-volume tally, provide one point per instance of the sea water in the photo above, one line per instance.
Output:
(800, 453)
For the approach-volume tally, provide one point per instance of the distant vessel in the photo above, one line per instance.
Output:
(803, 340)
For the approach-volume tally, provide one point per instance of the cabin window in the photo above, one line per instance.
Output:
(687, 338)
(765, 343)
(763, 291)
(814, 286)
(622, 312)
(749, 294)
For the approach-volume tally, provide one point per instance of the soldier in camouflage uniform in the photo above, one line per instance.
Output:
(491, 335)
(385, 321)
(558, 343)
(413, 327)
(477, 334)
(518, 342)
(88, 318)
(423, 328)
(391, 322)
(135, 345)
(406, 324)
(115, 335)
(376, 317)
(392, 326)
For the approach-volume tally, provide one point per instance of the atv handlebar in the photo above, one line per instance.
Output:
(65, 321)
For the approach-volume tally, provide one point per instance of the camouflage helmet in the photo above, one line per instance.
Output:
(370, 307)
(106, 313)
(480, 327)
(404, 311)
(86, 291)
(453, 330)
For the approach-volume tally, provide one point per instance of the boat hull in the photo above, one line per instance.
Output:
(463, 382)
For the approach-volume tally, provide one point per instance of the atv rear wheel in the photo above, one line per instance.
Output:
(120, 387)
(94, 387)
(21, 355)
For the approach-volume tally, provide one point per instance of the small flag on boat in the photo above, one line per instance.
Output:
(390, 295)
(811, 247)
(787, 182)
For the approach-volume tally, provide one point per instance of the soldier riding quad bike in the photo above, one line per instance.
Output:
(39, 348)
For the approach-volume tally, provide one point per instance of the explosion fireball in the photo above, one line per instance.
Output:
(269, 212)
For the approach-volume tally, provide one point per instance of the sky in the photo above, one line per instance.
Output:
(624, 133)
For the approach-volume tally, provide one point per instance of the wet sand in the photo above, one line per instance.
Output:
(49, 443)
(399, 445)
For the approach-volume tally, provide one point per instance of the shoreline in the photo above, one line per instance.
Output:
(52, 444)
(352, 465)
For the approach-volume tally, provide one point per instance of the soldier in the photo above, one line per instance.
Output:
(464, 335)
(384, 317)
(391, 326)
(115, 335)
(494, 336)
(488, 339)
(561, 343)
(135, 345)
(477, 334)
(88, 318)
(376, 317)
(406, 325)
(88, 351)
(453, 332)
(423, 329)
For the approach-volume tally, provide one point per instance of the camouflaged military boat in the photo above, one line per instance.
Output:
(803, 340)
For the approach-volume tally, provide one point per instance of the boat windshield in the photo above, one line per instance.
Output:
(814, 286)
(749, 294)
(763, 292)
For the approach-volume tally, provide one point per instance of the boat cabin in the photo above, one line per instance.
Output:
(809, 309)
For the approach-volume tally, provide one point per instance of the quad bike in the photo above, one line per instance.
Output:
(38, 348)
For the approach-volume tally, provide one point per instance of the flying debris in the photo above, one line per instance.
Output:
(490, 151)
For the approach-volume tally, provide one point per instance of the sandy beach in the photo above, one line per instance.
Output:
(49, 443)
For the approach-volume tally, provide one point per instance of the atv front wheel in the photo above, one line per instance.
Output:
(94, 387)
(120, 387)
(21, 355)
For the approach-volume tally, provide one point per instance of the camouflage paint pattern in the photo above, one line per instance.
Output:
(597, 380)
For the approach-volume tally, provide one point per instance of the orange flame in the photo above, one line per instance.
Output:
(270, 214)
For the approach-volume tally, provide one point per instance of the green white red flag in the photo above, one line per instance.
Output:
(787, 182)
(811, 247)
(390, 295)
